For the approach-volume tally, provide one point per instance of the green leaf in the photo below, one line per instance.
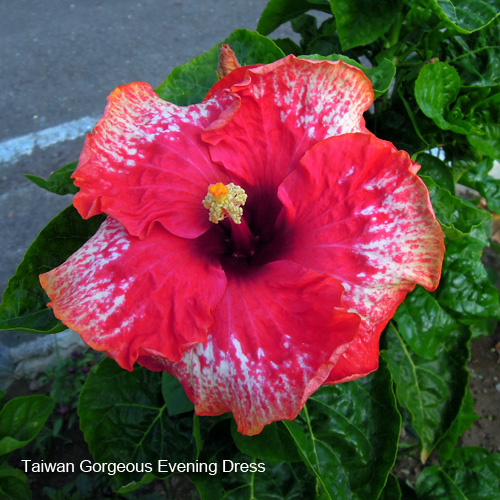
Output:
(391, 490)
(381, 76)
(269, 482)
(472, 474)
(326, 41)
(423, 324)
(348, 436)
(437, 170)
(361, 22)
(314, 40)
(21, 419)
(174, 395)
(306, 26)
(477, 57)
(465, 289)
(458, 217)
(432, 390)
(124, 419)
(485, 136)
(135, 485)
(13, 484)
(478, 178)
(436, 87)
(407, 492)
(24, 302)
(59, 182)
(189, 83)
(466, 16)
(278, 12)
(288, 46)
(463, 422)
(397, 126)
(273, 444)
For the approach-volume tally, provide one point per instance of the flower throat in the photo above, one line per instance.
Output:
(225, 201)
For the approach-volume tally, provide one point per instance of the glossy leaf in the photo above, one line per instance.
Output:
(478, 178)
(457, 217)
(465, 289)
(133, 423)
(278, 12)
(360, 22)
(477, 57)
(21, 419)
(432, 390)
(124, 419)
(407, 492)
(401, 126)
(485, 137)
(472, 474)
(321, 40)
(189, 83)
(288, 46)
(381, 76)
(273, 444)
(391, 490)
(436, 87)
(466, 16)
(276, 482)
(423, 324)
(437, 170)
(24, 303)
(348, 436)
(463, 422)
(59, 182)
(13, 484)
(174, 395)
(306, 26)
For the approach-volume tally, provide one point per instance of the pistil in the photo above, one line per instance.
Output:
(242, 239)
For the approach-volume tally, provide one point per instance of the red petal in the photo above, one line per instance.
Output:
(277, 333)
(355, 209)
(145, 162)
(124, 295)
(286, 108)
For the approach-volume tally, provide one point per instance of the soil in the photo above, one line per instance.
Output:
(484, 383)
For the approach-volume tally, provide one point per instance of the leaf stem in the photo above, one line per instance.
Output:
(467, 54)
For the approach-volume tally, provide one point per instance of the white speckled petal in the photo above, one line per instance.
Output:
(356, 210)
(123, 294)
(275, 338)
(286, 108)
(145, 162)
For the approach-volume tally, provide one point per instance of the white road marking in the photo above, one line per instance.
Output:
(12, 149)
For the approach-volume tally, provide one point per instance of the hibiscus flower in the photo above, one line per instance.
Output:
(256, 243)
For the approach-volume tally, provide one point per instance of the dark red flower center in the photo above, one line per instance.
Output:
(247, 236)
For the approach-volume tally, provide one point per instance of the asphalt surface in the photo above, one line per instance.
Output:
(59, 61)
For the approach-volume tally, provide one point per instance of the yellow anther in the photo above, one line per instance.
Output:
(222, 200)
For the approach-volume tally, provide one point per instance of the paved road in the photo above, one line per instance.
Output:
(59, 61)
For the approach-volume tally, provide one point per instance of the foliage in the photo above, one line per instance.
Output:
(64, 381)
(21, 419)
(435, 67)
